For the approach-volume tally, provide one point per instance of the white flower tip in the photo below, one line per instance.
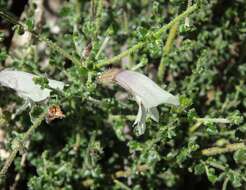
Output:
(174, 100)
(56, 84)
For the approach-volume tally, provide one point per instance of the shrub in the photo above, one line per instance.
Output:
(195, 50)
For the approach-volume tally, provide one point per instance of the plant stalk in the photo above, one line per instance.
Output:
(220, 150)
(19, 144)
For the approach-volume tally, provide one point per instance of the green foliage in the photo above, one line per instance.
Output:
(43, 82)
(94, 146)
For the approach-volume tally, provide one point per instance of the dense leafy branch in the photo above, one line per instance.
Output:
(153, 35)
(19, 144)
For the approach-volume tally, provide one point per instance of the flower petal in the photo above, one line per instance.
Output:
(139, 124)
(25, 87)
(149, 92)
(154, 114)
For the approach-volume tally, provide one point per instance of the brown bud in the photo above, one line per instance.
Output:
(87, 50)
(54, 112)
(108, 76)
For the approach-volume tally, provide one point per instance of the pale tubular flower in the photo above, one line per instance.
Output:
(23, 84)
(147, 93)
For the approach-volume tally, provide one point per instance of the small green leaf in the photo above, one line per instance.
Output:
(236, 117)
(211, 175)
(191, 114)
(240, 156)
(29, 23)
(235, 178)
(35, 112)
(199, 169)
(185, 102)
(211, 129)
(42, 81)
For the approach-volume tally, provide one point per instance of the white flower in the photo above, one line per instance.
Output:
(25, 87)
(147, 93)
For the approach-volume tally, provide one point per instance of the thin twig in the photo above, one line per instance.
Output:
(105, 41)
(224, 186)
(121, 185)
(195, 127)
(22, 164)
(128, 172)
(98, 15)
(200, 121)
(187, 22)
(121, 55)
(213, 120)
(217, 166)
(166, 50)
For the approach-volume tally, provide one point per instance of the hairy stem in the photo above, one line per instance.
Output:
(213, 120)
(220, 150)
(200, 121)
(121, 55)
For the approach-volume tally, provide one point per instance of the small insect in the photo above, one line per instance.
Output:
(54, 112)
